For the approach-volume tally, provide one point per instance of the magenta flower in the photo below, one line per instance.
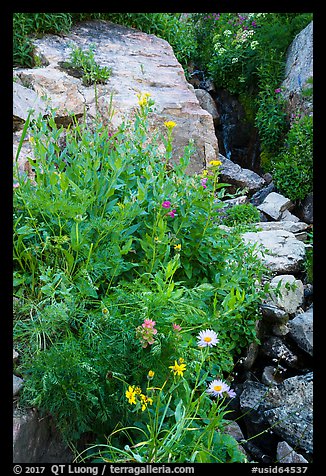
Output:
(172, 213)
(203, 182)
(278, 90)
(166, 204)
(176, 327)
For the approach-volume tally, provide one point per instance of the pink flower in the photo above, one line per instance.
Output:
(16, 185)
(166, 204)
(203, 182)
(148, 323)
(278, 90)
(172, 213)
(176, 327)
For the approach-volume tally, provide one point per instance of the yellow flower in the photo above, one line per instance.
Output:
(215, 162)
(170, 124)
(177, 247)
(150, 374)
(130, 394)
(177, 369)
(204, 173)
(143, 98)
(138, 391)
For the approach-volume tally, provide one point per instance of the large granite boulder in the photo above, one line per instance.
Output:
(139, 63)
(298, 70)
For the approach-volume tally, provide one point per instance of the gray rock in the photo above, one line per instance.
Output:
(274, 205)
(273, 314)
(274, 348)
(280, 330)
(270, 376)
(288, 216)
(286, 292)
(36, 441)
(301, 330)
(15, 355)
(286, 454)
(207, 102)
(140, 63)
(278, 249)
(17, 385)
(24, 100)
(243, 178)
(293, 227)
(298, 69)
(260, 196)
(286, 407)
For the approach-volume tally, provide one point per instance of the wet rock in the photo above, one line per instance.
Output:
(207, 102)
(306, 210)
(273, 314)
(301, 330)
(289, 408)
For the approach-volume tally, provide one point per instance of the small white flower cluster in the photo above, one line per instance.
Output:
(245, 35)
(227, 32)
(253, 44)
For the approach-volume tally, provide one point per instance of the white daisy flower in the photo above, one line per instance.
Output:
(207, 338)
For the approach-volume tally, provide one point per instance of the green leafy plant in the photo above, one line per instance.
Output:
(174, 421)
(242, 214)
(109, 236)
(84, 64)
(293, 167)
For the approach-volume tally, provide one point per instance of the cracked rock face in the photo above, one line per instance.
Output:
(280, 250)
(139, 63)
(288, 407)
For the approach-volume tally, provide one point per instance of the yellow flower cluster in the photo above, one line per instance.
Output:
(170, 124)
(143, 98)
(215, 162)
(177, 247)
(135, 395)
(179, 367)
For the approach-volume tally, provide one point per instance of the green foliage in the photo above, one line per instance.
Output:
(293, 167)
(174, 423)
(27, 25)
(242, 214)
(106, 236)
(309, 258)
(84, 61)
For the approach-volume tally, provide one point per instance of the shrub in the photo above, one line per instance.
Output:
(293, 167)
(242, 214)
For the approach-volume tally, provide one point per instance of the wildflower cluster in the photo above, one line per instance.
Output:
(135, 396)
(167, 204)
(146, 332)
